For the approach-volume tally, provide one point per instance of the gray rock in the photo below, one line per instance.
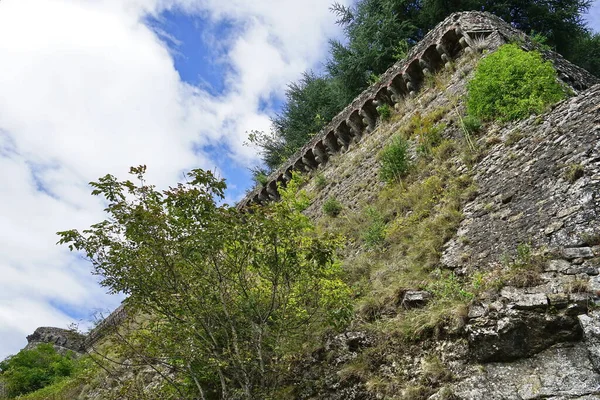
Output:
(524, 301)
(415, 298)
(561, 372)
(557, 265)
(571, 253)
(590, 324)
(62, 339)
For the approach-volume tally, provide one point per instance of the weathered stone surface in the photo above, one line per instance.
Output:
(62, 339)
(515, 334)
(533, 168)
(590, 324)
(577, 252)
(415, 298)
(525, 301)
(560, 373)
(558, 265)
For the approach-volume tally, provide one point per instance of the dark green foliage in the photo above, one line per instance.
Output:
(511, 84)
(332, 207)
(586, 53)
(394, 160)
(377, 32)
(30, 370)
(471, 124)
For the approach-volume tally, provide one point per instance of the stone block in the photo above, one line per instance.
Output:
(415, 298)
(571, 253)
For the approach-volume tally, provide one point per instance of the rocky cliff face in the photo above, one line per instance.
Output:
(62, 339)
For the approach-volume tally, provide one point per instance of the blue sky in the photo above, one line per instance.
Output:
(94, 86)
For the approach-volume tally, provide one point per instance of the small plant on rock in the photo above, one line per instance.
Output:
(385, 112)
(394, 160)
(574, 172)
(320, 181)
(332, 207)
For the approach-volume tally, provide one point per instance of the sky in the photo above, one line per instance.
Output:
(90, 87)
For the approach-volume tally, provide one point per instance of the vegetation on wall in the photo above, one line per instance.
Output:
(228, 294)
(395, 160)
(511, 84)
(378, 33)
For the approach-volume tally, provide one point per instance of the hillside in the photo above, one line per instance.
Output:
(474, 270)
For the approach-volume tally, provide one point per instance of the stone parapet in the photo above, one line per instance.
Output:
(458, 34)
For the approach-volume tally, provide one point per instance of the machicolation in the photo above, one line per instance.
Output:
(458, 34)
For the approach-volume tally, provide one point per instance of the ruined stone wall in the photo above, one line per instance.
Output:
(62, 339)
(537, 186)
(457, 34)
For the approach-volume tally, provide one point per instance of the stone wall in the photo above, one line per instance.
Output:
(62, 339)
(456, 35)
(537, 186)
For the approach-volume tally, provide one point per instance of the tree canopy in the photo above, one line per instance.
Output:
(228, 295)
(33, 369)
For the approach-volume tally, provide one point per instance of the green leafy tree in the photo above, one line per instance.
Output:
(33, 369)
(585, 52)
(229, 294)
(511, 84)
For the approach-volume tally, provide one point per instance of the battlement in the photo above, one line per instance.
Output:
(459, 34)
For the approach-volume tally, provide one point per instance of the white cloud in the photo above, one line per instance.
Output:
(88, 89)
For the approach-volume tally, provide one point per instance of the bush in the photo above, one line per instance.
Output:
(511, 83)
(385, 112)
(332, 207)
(30, 370)
(394, 160)
(375, 233)
(471, 124)
(260, 176)
(320, 181)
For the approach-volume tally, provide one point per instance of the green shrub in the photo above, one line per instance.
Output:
(30, 370)
(375, 233)
(511, 83)
(320, 181)
(394, 160)
(332, 207)
(260, 176)
(385, 112)
(471, 123)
